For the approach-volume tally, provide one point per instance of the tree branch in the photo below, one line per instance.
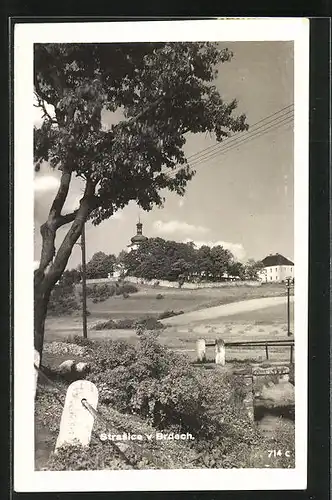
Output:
(65, 219)
(61, 195)
(41, 104)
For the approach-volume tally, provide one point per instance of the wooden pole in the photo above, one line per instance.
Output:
(84, 308)
(288, 308)
(267, 351)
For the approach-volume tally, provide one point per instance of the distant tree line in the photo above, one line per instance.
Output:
(161, 259)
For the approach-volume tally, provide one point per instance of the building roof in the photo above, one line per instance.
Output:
(277, 260)
(138, 238)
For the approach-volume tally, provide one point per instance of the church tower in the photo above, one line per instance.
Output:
(138, 239)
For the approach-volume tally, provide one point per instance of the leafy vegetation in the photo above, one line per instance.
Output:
(161, 259)
(148, 323)
(100, 266)
(147, 387)
(101, 292)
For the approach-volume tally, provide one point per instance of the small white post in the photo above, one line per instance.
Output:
(220, 352)
(37, 363)
(201, 350)
(76, 421)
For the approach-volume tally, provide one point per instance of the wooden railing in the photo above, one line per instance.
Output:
(221, 346)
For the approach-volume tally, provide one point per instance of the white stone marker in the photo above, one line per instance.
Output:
(220, 352)
(200, 346)
(37, 363)
(76, 421)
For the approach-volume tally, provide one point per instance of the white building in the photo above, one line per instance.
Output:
(277, 269)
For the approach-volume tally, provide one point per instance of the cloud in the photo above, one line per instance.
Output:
(236, 249)
(44, 183)
(176, 226)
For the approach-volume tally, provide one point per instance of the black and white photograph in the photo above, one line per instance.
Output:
(161, 255)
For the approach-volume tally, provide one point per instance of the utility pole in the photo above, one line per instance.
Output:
(84, 310)
(288, 284)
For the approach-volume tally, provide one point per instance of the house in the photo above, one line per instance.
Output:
(277, 268)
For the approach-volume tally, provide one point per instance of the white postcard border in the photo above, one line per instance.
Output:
(26, 479)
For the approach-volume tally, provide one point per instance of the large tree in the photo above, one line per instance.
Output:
(160, 91)
(100, 265)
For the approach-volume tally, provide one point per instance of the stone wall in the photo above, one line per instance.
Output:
(174, 284)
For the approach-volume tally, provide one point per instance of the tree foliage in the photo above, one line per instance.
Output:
(100, 265)
(157, 258)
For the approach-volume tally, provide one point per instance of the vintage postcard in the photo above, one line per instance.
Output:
(161, 255)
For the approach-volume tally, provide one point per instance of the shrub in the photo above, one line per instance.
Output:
(125, 295)
(165, 388)
(129, 288)
(162, 386)
(169, 314)
(159, 296)
(149, 323)
(62, 300)
(101, 292)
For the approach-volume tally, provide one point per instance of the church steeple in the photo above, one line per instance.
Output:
(139, 237)
(139, 227)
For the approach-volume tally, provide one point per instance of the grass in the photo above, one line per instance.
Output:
(145, 300)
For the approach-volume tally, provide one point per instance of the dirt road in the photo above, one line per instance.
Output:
(216, 312)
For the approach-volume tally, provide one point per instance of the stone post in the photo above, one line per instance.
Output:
(249, 398)
(220, 352)
(76, 421)
(201, 350)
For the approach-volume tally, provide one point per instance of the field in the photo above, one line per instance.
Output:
(145, 302)
(266, 323)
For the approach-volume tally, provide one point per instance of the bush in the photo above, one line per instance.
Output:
(101, 292)
(165, 388)
(154, 383)
(62, 300)
(159, 296)
(148, 323)
(169, 314)
(125, 295)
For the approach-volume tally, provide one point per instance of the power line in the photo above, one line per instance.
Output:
(252, 128)
(236, 144)
(244, 136)
(239, 140)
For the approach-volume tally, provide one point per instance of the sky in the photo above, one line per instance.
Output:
(241, 199)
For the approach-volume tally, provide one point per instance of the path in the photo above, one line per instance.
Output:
(216, 312)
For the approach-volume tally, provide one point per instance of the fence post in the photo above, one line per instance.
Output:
(220, 352)
(201, 350)
(291, 354)
(76, 421)
(267, 351)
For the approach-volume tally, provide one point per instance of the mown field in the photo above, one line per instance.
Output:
(266, 323)
(145, 300)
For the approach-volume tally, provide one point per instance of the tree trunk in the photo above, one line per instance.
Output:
(41, 299)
